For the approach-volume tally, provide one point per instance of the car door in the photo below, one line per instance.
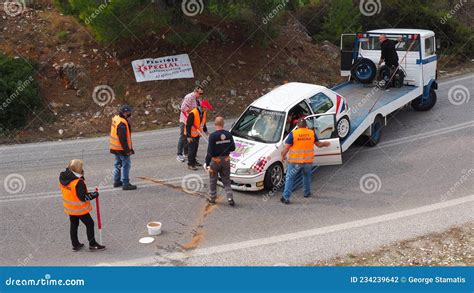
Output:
(324, 126)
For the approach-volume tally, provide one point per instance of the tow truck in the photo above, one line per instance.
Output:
(371, 94)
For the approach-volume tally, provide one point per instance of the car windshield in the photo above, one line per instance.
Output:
(260, 125)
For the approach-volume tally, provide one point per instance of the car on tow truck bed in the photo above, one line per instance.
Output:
(261, 130)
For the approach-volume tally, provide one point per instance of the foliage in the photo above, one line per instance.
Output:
(19, 92)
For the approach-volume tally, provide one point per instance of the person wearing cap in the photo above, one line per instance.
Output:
(221, 143)
(76, 202)
(195, 127)
(121, 146)
(190, 101)
(300, 146)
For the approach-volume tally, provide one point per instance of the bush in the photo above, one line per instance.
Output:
(19, 92)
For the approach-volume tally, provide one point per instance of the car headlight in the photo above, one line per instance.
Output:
(246, 171)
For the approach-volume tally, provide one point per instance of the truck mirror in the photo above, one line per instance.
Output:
(438, 44)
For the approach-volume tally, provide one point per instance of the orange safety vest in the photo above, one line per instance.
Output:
(114, 139)
(196, 129)
(72, 204)
(302, 150)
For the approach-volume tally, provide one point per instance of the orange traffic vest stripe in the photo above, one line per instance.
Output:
(198, 124)
(302, 150)
(72, 204)
(114, 139)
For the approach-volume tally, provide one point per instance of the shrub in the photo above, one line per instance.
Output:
(19, 92)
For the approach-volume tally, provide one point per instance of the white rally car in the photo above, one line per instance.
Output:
(261, 130)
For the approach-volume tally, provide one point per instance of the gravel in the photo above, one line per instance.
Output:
(454, 247)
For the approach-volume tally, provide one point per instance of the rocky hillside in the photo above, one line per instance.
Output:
(72, 65)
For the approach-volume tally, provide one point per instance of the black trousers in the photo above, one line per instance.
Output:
(192, 151)
(89, 222)
(182, 143)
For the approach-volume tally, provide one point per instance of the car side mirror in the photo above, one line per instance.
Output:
(438, 43)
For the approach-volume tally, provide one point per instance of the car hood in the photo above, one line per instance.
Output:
(248, 152)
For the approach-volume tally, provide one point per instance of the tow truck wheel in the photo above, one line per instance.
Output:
(343, 127)
(274, 177)
(425, 104)
(377, 127)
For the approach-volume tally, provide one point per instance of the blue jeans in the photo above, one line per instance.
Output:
(293, 170)
(122, 169)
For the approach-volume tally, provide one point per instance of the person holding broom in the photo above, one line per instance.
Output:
(76, 201)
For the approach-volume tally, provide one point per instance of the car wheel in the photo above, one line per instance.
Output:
(364, 70)
(274, 177)
(425, 104)
(343, 127)
(377, 128)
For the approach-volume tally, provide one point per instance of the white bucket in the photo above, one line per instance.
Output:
(154, 228)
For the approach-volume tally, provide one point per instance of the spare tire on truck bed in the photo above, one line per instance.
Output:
(364, 70)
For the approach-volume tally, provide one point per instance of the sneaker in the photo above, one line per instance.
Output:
(77, 248)
(231, 202)
(96, 246)
(211, 200)
(194, 168)
(308, 195)
(198, 164)
(117, 184)
(129, 187)
(181, 158)
(284, 200)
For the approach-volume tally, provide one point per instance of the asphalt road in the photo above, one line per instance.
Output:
(423, 175)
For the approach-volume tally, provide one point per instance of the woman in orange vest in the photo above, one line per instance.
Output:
(76, 201)
(300, 146)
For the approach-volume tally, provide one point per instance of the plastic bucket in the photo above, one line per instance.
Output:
(154, 228)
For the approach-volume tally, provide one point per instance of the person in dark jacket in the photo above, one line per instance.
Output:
(388, 51)
(221, 144)
(76, 201)
(121, 146)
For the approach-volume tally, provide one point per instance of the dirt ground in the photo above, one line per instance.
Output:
(454, 247)
(234, 72)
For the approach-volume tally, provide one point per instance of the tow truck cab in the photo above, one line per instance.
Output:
(416, 53)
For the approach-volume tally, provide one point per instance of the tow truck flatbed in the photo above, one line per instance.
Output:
(368, 101)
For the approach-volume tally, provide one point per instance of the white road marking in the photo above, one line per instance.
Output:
(297, 235)
(390, 143)
(105, 189)
(146, 133)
